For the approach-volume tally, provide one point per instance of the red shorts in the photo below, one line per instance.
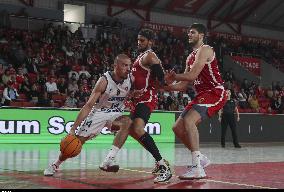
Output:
(213, 100)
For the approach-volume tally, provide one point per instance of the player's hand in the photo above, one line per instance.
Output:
(238, 119)
(170, 77)
(219, 119)
(71, 132)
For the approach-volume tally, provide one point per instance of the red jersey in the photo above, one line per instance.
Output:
(143, 80)
(209, 87)
(209, 77)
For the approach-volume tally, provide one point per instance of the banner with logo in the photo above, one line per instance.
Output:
(176, 30)
(241, 38)
(251, 64)
(18, 125)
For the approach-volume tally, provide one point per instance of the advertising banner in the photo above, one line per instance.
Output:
(248, 39)
(176, 30)
(19, 125)
(250, 64)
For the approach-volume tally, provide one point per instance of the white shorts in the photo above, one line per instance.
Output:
(95, 122)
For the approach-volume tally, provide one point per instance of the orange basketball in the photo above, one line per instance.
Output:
(70, 146)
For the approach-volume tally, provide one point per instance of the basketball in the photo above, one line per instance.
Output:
(70, 146)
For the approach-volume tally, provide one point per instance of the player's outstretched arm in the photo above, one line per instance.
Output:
(180, 86)
(86, 109)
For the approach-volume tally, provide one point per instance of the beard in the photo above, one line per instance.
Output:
(193, 43)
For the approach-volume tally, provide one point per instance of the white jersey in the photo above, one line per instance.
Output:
(112, 100)
(109, 107)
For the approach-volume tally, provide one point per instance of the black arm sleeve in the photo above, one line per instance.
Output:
(157, 72)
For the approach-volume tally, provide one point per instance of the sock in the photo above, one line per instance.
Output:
(112, 152)
(196, 155)
(57, 163)
(150, 146)
(162, 162)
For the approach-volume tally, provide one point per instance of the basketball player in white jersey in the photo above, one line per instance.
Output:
(103, 109)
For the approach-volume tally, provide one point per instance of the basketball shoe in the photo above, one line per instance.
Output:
(109, 165)
(164, 173)
(50, 170)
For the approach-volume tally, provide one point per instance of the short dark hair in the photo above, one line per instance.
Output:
(199, 27)
(147, 33)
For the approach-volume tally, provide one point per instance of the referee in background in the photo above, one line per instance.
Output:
(226, 117)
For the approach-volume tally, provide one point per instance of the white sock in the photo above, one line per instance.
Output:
(196, 155)
(57, 162)
(162, 162)
(112, 152)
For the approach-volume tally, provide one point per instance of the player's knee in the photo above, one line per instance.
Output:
(177, 130)
(138, 130)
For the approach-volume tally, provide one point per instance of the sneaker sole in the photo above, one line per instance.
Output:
(190, 178)
(48, 175)
(113, 169)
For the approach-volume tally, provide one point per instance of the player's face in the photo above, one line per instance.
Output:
(193, 37)
(123, 68)
(143, 43)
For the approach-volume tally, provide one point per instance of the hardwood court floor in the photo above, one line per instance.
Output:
(255, 166)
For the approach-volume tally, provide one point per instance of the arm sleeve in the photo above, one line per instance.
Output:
(158, 73)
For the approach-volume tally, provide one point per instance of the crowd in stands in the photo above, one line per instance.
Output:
(54, 67)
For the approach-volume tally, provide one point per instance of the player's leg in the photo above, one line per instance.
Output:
(181, 133)
(140, 117)
(52, 168)
(121, 124)
(191, 118)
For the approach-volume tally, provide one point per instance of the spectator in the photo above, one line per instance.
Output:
(71, 101)
(242, 98)
(6, 77)
(253, 102)
(277, 105)
(84, 71)
(269, 93)
(51, 87)
(20, 78)
(25, 88)
(245, 86)
(9, 94)
(82, 96)
(62, 86)
(35, 94)
(73, 86)
(73, 74)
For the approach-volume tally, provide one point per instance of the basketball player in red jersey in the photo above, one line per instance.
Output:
(145, 71)
(201, 70)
